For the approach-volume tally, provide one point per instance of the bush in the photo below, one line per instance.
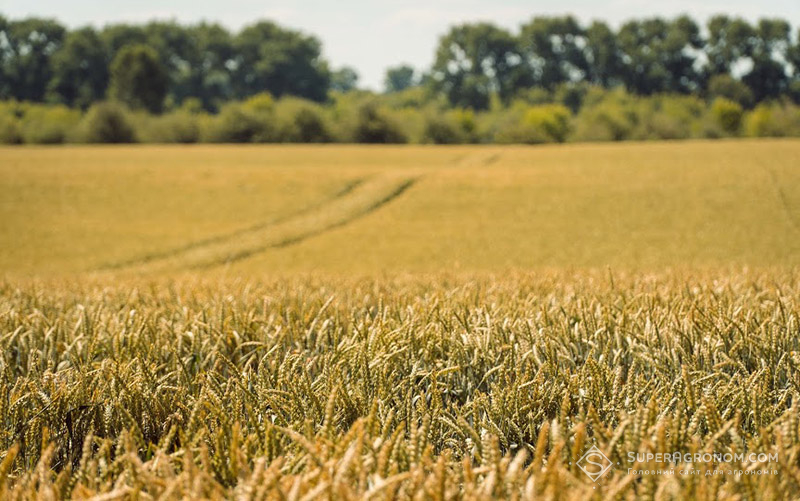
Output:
(572, 95)
(728, 87)
(261, 104)
(301, 121)
(727, 114)
(107, 122)
(9, 130)
(176, 127)
(773, 121)
(442, 130)
(610, 117)
(372, 126)
(457, 126)
(43, 124)
(667, 117)
(236, 124)
(540, 124)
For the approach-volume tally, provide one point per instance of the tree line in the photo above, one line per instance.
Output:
(162, 64)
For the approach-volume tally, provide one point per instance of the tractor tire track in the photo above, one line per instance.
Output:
(377, 204)
(154, 256)
(360, 200)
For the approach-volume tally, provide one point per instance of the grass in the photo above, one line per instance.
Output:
(356, 322)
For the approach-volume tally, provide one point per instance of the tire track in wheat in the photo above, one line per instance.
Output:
(361, 199)
(175, 251)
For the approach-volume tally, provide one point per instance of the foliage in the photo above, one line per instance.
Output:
(138, 79)
(344, 79)
(180, 126)
(107, 122)
(241, 123)
(374, 126)
(475, 64)
(279, 61)
(773, 120)
(728, 114)
(301, 121)
(474, 60)
(725, 86)
(49, 124)
(454, 127)
(400, 78)
(538, 124)
(9, 130)
(80, 69)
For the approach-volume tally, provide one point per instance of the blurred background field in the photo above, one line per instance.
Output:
(491, 208)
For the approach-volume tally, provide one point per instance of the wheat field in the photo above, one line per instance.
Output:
(366, 210)
(400, 323)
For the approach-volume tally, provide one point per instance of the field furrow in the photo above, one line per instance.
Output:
(356, 200)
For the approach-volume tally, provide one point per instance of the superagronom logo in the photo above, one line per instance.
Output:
(594, 464)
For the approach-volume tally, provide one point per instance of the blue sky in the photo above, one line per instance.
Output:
(372, 35)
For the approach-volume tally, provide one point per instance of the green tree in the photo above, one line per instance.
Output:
(4, 89)
(178, 54)
(344, 79)
(769, 77)
(399, 78)
(211, 81)
(794, 58)
(730, 41)
(473, 61)
(659, 55)
(138, 79)
(279, 61)
(603, 57)
(117, 36)
(728, 87)
(28, 47)
(80, 69)
(553, 47)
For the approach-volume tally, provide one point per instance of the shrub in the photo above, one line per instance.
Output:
(667, 117)
(176, 127)
(44, 124)
(540, 124)
(728, 87)
(760, 122)
(552, 119)
(372, 126)
(773, 120)
(236, 124)
(534, 96)
(262, 103)
(441, 130)
(9, 130)
(727, 114)
(572, 95)
(107, 122)
(300, 121)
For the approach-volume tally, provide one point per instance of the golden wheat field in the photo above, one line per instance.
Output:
(362, 209)
(615, 321)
